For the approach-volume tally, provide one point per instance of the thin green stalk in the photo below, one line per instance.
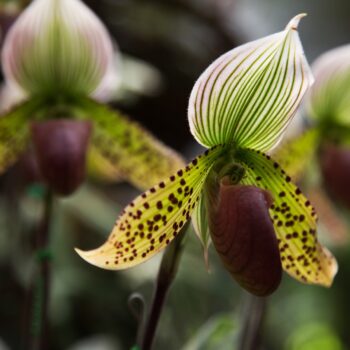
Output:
(41, 286)
(166, 275)
(253, 319)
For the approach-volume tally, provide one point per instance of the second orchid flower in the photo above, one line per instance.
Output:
(57, 57)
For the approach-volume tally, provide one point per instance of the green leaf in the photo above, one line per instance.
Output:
(248, 95)
(294, 220)
(128, 148)
(14, 132)
(294, 155)
(149, 223)
(314, 335)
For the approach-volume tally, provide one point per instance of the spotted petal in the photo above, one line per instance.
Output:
(124, 145)
(294, 219)
(152, 220)
(14, 132)
(57, 46)
(248, 95)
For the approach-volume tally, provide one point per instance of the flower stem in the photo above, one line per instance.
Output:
(253, 319)
(166, 275)
(41, 287)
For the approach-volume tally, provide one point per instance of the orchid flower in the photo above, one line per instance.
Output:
(239, 109)
(57, 59)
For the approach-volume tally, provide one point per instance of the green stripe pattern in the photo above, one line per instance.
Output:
(248, 96)
(57, 47)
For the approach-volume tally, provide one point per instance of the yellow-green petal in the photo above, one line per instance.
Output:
(294, 219)
(14, 132)
(124, 145)
(101, 169)
(149, 223)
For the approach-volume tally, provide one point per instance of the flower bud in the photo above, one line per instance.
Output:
(243, 235)
(61, 147)
(335, 167)
(57, 47)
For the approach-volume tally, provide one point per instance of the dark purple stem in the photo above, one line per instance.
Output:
(166, 275)
(253, 319)
(41, 286)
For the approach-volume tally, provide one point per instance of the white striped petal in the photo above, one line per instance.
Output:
(248, 95)
(330, 95)
(57, 47)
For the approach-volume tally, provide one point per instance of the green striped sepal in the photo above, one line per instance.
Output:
(248, 96)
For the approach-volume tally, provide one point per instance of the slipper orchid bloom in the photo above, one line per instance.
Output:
(57, 58)
(239, 109)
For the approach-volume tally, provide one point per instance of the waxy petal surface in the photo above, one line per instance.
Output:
(248, 96)
(153, 220)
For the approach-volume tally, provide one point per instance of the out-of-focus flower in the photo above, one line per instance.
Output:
(57, 47)
(329, 100)
(57, 58)
(325, 144)
(48, 138)
(239, 108)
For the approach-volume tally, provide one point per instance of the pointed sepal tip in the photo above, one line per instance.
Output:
(294, 22)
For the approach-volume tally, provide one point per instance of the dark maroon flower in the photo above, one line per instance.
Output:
(244, 237)
(60, 146)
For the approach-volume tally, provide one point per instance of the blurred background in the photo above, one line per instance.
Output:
(165, 45)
